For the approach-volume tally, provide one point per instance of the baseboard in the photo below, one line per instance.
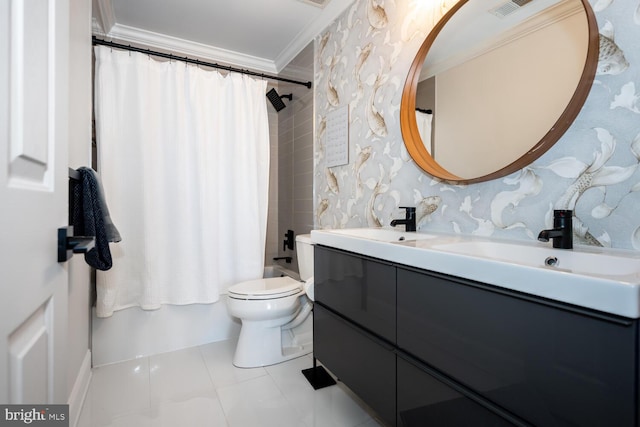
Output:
(79, 391)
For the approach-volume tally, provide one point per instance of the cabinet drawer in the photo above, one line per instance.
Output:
(361, 289)
(552, 365)
(427, 399)
(365, 365)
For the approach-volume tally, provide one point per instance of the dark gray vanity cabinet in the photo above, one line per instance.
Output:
(354, 325)
(426, 398)
(358, 288)
(426, 349)
(551, 364)
(360, 360)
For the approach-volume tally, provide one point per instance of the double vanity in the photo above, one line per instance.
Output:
(446, 330)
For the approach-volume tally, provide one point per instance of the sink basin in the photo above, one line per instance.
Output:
(382, 234)
(577, 262)
(605, 280)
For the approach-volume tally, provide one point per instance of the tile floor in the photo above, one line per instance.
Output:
(199, 386)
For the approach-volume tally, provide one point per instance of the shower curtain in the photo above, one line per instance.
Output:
(183, 154)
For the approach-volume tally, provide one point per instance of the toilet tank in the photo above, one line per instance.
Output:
(304, 250)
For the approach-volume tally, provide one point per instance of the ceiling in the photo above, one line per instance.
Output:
(263, 35)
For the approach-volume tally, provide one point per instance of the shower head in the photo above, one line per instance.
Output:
(276, 100)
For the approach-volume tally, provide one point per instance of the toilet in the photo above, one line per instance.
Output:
(275, 314)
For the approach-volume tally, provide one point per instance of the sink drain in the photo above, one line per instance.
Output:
(551, 261)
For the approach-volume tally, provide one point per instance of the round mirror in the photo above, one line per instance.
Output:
(496, 84)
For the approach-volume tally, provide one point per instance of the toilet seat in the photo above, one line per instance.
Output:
(262, 289)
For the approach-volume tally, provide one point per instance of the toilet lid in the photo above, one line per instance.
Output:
(273, 287)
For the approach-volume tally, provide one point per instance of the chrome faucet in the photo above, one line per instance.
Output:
(409, 220)
(562, 231)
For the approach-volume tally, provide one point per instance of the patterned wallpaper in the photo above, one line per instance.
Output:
(362, 60)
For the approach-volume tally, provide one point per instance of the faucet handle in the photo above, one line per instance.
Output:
(562, 213)
(410, 212)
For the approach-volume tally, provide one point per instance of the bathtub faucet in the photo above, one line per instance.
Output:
(409, 220)
(562, 231)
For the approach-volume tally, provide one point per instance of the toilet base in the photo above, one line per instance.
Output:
(259, 346)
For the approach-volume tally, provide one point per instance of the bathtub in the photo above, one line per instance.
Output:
(169, 328)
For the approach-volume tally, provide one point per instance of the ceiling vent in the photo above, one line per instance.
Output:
(508, 8)
(319, 3)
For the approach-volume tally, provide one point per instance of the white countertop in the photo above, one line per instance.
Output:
(606, 280)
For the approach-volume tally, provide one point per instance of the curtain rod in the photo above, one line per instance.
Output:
(97, 41)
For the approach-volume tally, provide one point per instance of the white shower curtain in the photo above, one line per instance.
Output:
(183, 155)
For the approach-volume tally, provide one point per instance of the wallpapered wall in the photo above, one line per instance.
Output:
(363, 59)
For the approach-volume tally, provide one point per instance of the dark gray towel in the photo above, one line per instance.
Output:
(91, 218)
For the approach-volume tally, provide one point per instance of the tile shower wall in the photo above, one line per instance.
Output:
(273, 240)
(362, 60)
(295, 152)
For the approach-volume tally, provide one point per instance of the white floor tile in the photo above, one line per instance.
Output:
(258, 402)
(197, 411)
(218, 357)
(118, 389)
(178, 376)
(372, 423)
(136, 419)
(333, 406)
(200, 387)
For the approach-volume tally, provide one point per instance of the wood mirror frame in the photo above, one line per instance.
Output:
(409, 127)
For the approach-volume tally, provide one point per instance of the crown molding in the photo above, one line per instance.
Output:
(177, 46)
(330, 13)
(106, 26)
(96, 28)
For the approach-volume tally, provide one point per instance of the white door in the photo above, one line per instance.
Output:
(33, 199)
